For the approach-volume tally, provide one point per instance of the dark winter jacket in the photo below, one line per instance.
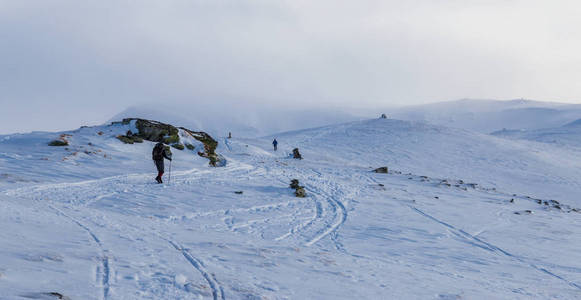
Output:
(159, 152)
(275, 142)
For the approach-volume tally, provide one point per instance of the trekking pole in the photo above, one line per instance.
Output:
(169, 177)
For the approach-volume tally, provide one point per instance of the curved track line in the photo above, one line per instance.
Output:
(105, 273)
(340, 213)
(477, 242)
(217, 290)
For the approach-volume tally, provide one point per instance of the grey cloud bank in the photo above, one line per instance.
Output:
(68, 63)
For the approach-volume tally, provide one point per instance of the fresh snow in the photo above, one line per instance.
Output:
(457, 217)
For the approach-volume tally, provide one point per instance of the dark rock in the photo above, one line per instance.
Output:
(512, 200)
(294, 184)
(383, 116)
(178, 146)
(172, 139)
(300, 192)
(238, 192)
(381, 170)
(190, 146)
(58, 143)
(297, 154)
(524, 212)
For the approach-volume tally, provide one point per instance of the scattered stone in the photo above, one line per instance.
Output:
(58, 143)
(238, 192)
(383, 116)
(299, 190)
(557, 206)
(100, 133)
(381, 184)
(383, 170)
(294, 183)
(436, 197)
(539, 202)
(297, 154)
(524, 212)
(190, 146)
(512, 200)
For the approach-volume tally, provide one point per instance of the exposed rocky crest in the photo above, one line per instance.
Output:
(155, 131)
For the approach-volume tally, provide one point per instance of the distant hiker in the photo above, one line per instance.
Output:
(158, 154)
(229, 135)
(274, 143)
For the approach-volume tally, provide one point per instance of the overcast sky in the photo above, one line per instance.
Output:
(68, 63)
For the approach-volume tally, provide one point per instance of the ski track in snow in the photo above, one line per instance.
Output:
(477, 242)
(217, 290)
(104, 271)
(330, 195)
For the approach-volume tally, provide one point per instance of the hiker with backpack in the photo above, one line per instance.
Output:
(158, 154)
(274, 143)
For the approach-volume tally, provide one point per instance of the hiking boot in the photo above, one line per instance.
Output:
(158, 179)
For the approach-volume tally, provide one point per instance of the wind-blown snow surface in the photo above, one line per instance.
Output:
(461, 220)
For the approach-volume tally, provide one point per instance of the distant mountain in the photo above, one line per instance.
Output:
(566, 135)
(487, 116)
(241, 120)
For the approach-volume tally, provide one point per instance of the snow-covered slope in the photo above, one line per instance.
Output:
(487, 116)
(460, 216)
(92, 153)
(567, 135)
(438, 151)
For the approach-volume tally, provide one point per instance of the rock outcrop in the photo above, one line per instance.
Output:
(155, 131)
